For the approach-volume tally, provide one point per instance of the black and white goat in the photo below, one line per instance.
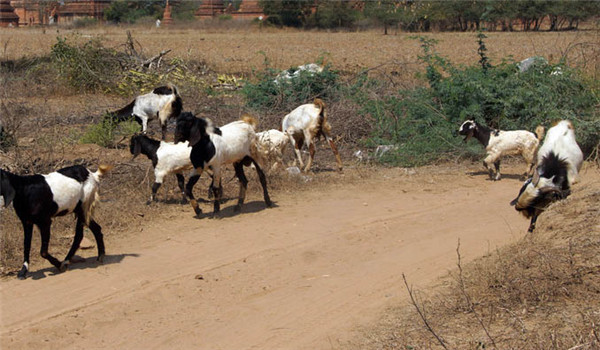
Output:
(500, 143)
(167, 158)
(163, 103)
(559, 160)
(212, 147)
(39, 198)
(306, 124)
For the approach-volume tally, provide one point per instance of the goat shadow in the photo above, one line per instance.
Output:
(519, 177)
(88, 263)
(187, 202)
(247, 208)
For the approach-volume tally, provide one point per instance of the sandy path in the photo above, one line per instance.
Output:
(301, 275)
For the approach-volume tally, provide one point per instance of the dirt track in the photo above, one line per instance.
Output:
(301, 275)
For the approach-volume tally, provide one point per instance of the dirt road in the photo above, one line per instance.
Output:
(302, 275)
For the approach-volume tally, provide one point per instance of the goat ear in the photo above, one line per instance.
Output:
(195, 135)
(536, 177)
(514, 201)
(137, 149)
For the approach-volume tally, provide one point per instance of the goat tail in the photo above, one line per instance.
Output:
(249, 119)
(323, 127)
(90, 192)
(103, 169)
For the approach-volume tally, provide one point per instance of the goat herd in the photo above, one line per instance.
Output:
(201, 147)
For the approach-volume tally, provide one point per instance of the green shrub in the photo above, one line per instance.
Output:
(422, 121)
(85, 22)
(268, 92)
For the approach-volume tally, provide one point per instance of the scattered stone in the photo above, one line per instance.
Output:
(86, 243)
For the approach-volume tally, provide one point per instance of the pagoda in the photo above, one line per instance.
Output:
(167, 19)
(210, 9)
(76, 9)
(249, 9)
(8, 17)
(30, 12)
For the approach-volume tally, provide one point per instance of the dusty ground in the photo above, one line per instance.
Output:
(304, 274)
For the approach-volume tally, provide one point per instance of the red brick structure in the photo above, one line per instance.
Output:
(8, 17)
(249, 9)
(210, 9)
(167, 19)
(31, 12)
(77, 9)
(36, 12)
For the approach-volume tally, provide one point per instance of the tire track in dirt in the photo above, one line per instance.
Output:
(301, 275)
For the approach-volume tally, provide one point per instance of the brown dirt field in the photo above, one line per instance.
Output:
(240, 51)
(304, 274)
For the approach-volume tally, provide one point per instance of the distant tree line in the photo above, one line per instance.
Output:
(407, 15)
(426, 15)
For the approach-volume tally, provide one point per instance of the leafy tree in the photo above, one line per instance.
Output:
(334, 14)
(293, 13)
(385, 12)
(130, 11)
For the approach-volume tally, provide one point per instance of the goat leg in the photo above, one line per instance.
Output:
(28, 231)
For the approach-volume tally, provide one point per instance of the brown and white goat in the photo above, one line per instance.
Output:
(271, 145)
(559, 162)
(306, 124)
(500, 143)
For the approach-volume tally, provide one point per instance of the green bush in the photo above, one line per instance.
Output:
(269, 92)
(106, 131)
(423, 121)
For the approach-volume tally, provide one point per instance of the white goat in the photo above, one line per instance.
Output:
(271, 144)
(163, 103)
(305, 124)
(559, 162)
(500, 143)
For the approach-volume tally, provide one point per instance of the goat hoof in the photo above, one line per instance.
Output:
(64, 266)
(100, 259)
(22, 274)
(237, 209)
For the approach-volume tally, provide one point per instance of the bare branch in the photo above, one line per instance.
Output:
(421, 314)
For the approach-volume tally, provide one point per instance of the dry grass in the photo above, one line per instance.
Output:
(238, 52)
(540, 293)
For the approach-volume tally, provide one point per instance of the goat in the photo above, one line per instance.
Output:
(163, 103)
(303, 125)
(271, 144)
(167, 158)
(212, 147)
(500, 143)
(559, 162)
(39, 198)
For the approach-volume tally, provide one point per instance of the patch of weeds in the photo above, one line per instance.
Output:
(107, 131)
